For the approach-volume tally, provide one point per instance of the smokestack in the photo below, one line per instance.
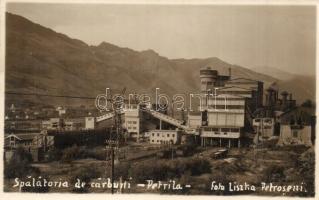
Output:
(290, 96)
(229, 72)
(284, 94)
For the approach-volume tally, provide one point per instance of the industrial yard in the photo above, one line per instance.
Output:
(245, 165)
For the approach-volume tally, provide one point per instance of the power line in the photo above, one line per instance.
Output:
(49, 95)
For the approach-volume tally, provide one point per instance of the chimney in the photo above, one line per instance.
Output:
(284, 95)
(290, 96)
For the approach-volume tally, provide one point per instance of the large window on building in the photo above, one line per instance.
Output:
(234, 130)
(224, 129)
(215, 129)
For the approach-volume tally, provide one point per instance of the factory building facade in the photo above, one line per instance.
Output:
(231, 110)
(227, 107)
(133, 121)
(225, 122)
(164, 136)
(264, 126)
(295, 135)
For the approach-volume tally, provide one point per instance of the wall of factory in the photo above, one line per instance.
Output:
(256, 88)
(220, 132)
(264, 126)
(89, 122)
(295, 135)
(226, 103)
(208, 78)
(133, 122)
(226, 118)
(194, 121)
(164, 136)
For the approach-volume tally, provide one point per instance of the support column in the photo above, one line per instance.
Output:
(160, 124)
(229, 143)
(238, 142)
(220, 142)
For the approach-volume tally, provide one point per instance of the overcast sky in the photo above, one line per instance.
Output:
(252, 36)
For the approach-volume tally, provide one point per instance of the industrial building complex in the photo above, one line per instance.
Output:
(233, 112)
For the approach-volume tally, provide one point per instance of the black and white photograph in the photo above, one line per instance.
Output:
(177, 99)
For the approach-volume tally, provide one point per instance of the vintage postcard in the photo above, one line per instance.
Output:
(159, 98)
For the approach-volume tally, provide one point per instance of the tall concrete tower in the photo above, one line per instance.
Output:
(208, 78)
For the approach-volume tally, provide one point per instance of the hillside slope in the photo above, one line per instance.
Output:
(40, 60)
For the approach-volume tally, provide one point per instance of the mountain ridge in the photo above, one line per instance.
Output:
(40, 60)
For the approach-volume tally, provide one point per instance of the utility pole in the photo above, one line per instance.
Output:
(112, 169)
(111, 146)
(119, 132)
